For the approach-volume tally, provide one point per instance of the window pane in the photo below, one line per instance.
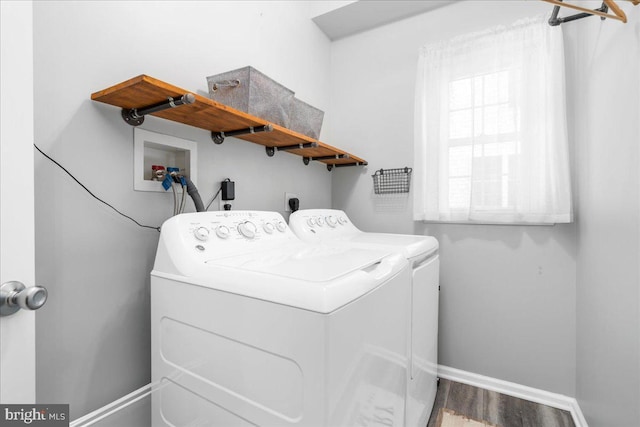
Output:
(460, 94)
(492, 193)
(487, 167)
(460, 124)
(493, 149)
(513, 162)
(510, 148)
(478, 90)
(482, 168)
(506, 119)
(460, 161)
(477, 150)
(478, 128)
(498, 148)
(491, 89)
(459, 190)
(490, 120)
(487, 194)
(503, 86)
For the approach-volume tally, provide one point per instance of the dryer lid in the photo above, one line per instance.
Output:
(409, 245)
(333, 225)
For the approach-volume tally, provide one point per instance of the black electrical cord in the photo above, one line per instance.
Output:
(93, 195)
(215, 196)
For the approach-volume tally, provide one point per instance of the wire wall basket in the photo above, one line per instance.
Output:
(392, 181)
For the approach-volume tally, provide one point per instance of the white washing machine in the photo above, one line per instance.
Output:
(333, 226)
(252, 326)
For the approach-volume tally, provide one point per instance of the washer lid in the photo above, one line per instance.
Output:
(239, 253)
(311, 263)
(307, 280)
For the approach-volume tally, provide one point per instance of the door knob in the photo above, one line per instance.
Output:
(14, 296)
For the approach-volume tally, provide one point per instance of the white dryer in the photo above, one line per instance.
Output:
(333, 226)
(252, 326)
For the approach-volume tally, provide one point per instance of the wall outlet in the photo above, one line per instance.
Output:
(221, 203)
(288, 196)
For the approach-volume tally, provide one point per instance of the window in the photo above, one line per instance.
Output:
(482, 136)
(491, 142)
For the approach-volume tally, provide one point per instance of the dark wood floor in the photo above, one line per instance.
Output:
(500, 409)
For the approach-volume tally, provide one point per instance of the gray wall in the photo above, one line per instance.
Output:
(94, 334)
(607, 126)
(556, 308)
(550, 307)
(507, 307)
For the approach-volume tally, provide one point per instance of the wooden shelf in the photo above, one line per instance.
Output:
(205, 113)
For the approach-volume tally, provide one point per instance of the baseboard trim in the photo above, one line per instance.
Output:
(543, 397)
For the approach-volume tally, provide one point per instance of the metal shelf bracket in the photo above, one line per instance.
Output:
(135, 116)
(344, 165)
(271, 150)
(218, 137)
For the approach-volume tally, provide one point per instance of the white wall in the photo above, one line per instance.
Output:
(94, 333)
(507, 304)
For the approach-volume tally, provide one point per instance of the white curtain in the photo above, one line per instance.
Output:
(490, 127)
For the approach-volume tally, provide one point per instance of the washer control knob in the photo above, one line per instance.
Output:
(247, 229)
(331, 221)
(201, 233)
(342, 220)
(268, 227)
(320, 221)
(281, 226)
(311, 222)
(223, 232)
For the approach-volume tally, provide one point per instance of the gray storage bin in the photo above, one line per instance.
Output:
(247, 89)
(306, 119)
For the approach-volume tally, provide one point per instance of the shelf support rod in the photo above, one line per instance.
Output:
(335, 156)
(135, 116)
(271, 150)
(218, 137)
(297, 146)
(344, 165)
(330, 166)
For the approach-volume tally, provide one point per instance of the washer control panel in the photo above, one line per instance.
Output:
(191, 239)
(210, 231)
